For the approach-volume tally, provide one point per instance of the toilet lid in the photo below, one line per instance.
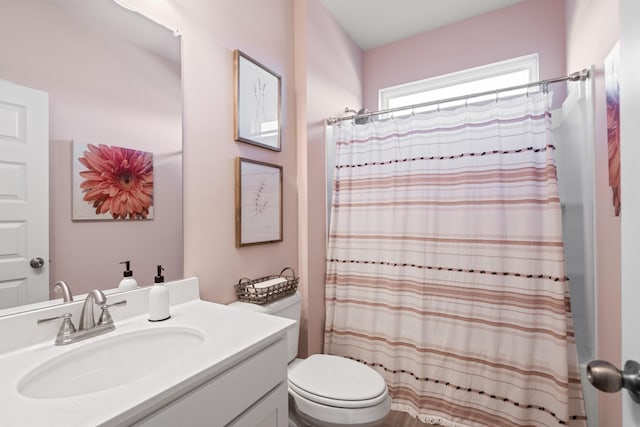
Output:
(337, 381)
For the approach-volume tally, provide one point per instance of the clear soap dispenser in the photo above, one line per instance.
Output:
(159, 299)
(127, 282)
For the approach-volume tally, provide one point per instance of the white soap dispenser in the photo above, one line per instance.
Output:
(159, 299)
(127, 282)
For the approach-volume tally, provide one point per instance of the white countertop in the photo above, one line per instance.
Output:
(230, 336)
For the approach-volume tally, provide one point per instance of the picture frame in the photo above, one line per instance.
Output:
(259, 202)
(257, 103)
(612, 97)
(111, 183)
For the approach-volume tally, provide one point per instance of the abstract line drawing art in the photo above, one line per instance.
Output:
(258, 202)
(257, 103)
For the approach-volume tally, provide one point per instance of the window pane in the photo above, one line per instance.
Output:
(486, 78)
(462, 89)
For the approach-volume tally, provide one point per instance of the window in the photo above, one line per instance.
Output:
(512, 72)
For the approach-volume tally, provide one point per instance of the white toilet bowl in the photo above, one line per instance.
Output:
(332, 391)
(325, 390)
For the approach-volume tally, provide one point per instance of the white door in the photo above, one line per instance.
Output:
(630, 187)
(24, 195)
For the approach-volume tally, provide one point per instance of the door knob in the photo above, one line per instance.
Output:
(36, 262)
(606, 377)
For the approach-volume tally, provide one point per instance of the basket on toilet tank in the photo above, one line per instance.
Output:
(267, 289)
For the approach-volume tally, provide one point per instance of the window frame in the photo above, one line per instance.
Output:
(518, 64)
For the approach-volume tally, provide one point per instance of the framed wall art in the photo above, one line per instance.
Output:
(111, 183)
(256, 103)
(612, 92)
(258, 202)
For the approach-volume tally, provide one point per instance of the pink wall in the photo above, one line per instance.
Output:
(211, 31)
(528, 27)
(331, 69)
(101, 91)
(593, 28)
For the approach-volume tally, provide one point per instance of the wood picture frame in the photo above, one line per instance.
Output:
(257, 103)
(259, 202)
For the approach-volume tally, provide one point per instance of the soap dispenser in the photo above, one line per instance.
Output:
(127, 282)
(159, 299)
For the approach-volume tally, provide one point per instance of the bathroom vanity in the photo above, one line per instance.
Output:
(208, 365)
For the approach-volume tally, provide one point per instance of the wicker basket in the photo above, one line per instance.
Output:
(247, 291)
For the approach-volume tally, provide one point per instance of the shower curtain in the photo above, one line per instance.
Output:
(445, 267)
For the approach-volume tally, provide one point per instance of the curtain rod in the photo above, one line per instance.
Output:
(578, 75)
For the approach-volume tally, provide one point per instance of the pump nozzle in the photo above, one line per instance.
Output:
(159, 278)
(127, 270)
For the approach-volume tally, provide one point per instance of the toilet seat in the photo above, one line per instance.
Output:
(316, 414)
(337, 382)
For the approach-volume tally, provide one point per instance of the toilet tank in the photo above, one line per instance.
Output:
(288, 307)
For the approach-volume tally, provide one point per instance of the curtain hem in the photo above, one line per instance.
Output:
(425, 418)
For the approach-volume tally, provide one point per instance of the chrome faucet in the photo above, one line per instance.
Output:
(66, 291)
(87, 320)
(87, 327)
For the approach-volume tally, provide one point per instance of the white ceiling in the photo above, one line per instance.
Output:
(375, 23)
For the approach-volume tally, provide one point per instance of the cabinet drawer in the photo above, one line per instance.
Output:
(225, 397)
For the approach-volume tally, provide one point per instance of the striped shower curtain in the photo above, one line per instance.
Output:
(445, 267)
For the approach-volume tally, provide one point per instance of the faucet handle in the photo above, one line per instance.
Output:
(105, 316)
(66, 329)
(65, 316)
(123, 302)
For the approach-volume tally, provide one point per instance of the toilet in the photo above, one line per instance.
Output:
(326, 390)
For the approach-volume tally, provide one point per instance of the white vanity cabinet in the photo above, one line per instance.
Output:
(233, 373)
(251, 393)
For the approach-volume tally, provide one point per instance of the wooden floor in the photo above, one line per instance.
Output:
(402, 419)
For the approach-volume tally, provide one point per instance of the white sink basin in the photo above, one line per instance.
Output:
(110, 362)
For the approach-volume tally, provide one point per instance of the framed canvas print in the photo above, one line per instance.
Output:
(612, 95)
(256, 103)
(258, 202)
(111, 183)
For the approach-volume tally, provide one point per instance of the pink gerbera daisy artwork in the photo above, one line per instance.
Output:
(112, 182)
